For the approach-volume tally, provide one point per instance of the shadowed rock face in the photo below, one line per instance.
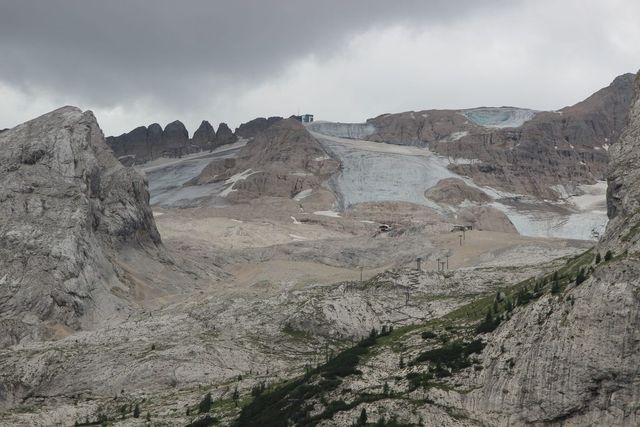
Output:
(224, 135)
(205, 136)
(254, 127)
(175, 138)
(144, 144)
(281, 161)
(550, 148)
(67, 209)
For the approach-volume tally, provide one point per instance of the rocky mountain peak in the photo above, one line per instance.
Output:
(224, 135)
(67, 209)
(253, 127)
(205, 136)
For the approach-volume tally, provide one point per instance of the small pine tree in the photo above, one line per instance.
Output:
(148, 416)
(385, 389)
(136, 411)
(205, 404)
(608, 256)
(509, 306)
(373, 333)
(598, 258)
(401, 362)
(236, 396)
(362, 420)
(555, 288)
(580, 277)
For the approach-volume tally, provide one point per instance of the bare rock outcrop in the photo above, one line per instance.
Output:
(486, 218)
(281, 162)
(224, 135)
(175, 139)
(253, 127)
(205, 136)
(147, 143)
(454, 191)
(68, 208)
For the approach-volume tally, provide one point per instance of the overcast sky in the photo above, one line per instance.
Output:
(136, 62)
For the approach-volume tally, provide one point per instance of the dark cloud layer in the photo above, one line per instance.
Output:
(111, 50)
(197, 57)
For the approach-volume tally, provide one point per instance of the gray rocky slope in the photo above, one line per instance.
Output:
(281, 161)
(67, 208)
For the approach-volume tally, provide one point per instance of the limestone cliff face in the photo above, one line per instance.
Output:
(520, 150)
(67, 208)
(573, 359)
(623, 192)
(281, 161)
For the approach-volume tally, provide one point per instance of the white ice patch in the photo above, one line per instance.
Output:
(454, 136)
(592, 199)
(296, 237)
(366, 221)
(586, 225)
(157, 214)
(235, 178)
(303, 194)
(300, 174)
(499, 117)
(295, 221)
(331, 214)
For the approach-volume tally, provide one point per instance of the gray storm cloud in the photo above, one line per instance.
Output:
(152, 60)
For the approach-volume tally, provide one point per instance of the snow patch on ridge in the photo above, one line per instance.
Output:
(499, 117)
(235, 178)
(303, 194)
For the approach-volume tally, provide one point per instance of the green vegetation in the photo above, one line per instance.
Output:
(608, 256)
(451, 357)
(426, 335)
(455, 336)
(277, 407)
(205, 421)
(362, 419)
(205, 404)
